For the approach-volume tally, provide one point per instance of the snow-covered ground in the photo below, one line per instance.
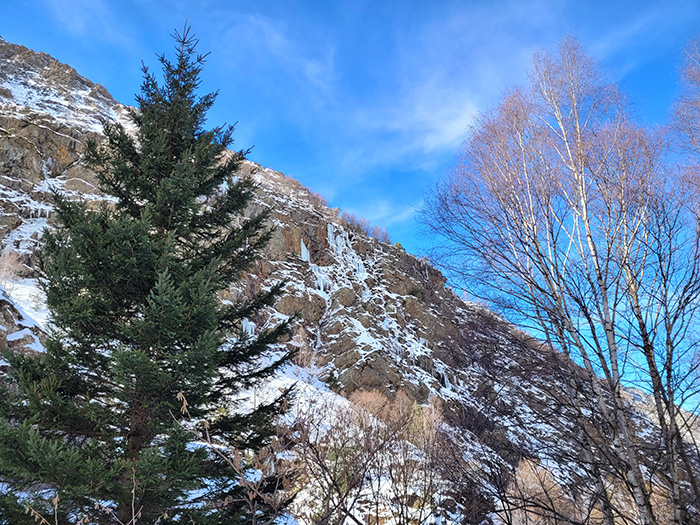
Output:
(29, 299)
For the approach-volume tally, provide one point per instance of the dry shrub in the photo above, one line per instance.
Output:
(317, 199)
(337, 446)
(373, 401)
(381, 234)
(360, 225)
(363, 226)
(305, 356)
(375, 457)
(536, 496)
(10, 266)
(409, 420)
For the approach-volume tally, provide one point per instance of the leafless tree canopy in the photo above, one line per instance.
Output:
(687, 110)
(567, 215)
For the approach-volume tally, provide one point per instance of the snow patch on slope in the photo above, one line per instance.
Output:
(28, 298)
(83, 107)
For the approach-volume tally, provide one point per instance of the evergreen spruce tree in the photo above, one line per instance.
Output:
(93, 428)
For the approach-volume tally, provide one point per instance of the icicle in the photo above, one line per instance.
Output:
(305, 253)
(323, 284)
(248, 327)
(331, 237)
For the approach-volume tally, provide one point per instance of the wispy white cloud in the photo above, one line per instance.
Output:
(448, 69)
(641, 37)
(90, 18)
(426, 118)
(461, 61)
(269, 41)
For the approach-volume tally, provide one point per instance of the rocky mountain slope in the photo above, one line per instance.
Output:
(373, 318)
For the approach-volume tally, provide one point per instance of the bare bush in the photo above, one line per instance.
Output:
(363, 226)
(266, 477)
(10, 266)
(360, 225)
(373, 460)
(318, 199)
(337, 447)
(381, 234)
(305, 356)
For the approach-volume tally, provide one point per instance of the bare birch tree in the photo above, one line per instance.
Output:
(563, 213)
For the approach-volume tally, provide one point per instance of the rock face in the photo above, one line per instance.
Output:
(371, 316)
(47, 114)
(36, 87)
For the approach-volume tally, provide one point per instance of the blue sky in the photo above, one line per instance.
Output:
(364, 102)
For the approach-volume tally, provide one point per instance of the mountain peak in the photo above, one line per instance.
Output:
(35, 84)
